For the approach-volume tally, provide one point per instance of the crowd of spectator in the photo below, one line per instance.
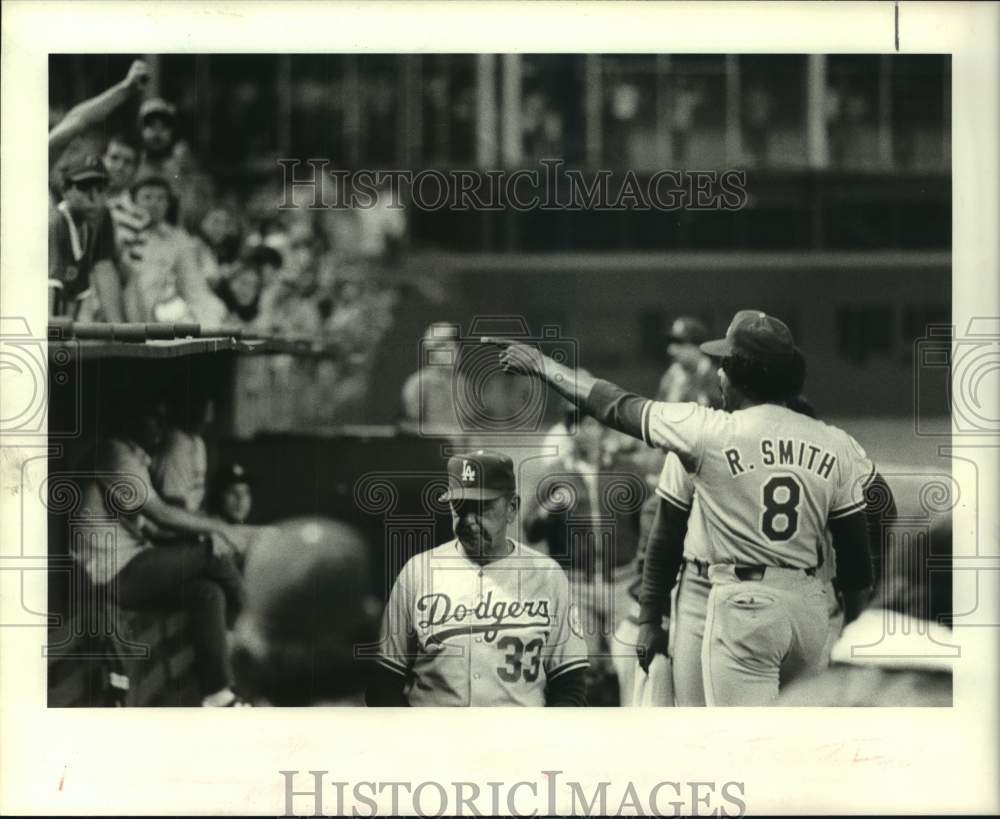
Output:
(139, 231)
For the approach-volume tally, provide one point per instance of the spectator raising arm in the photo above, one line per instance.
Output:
(93, 111)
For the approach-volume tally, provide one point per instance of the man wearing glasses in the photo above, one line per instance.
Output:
(84, 283)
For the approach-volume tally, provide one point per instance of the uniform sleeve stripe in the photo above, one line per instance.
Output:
(673, 500)
(646, 408)
(396, 668)
(572, 665)
(871, 476)
(844, 511)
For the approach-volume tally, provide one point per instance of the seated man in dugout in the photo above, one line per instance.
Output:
(192, 571)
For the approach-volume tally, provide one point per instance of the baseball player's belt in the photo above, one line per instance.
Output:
(699, 567)
(758, 572)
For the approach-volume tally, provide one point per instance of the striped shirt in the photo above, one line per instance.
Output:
(130, 221)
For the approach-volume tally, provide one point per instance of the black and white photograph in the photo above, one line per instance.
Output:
(602, 378)
(344, 291)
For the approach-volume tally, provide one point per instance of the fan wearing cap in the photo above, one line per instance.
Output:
(691, 374)
(481, 620)
(232, 494)
(84, 281)
(769, 482)
(164, 155)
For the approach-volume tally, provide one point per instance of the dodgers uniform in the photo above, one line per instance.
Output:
(466, 634)
(767, 480)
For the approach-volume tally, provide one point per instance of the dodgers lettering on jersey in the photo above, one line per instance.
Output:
(767, 479)
(472, 635)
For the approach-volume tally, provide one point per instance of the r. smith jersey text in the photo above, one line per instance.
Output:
(768, 479)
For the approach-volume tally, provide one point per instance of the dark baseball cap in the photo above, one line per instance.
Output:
(479, 476)
(87, 167)
(157, 106)
(688, 330)
(756, 336)
(234, 473)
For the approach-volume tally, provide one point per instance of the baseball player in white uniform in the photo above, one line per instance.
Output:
(480, 620)
(677, 522)
(768, 482)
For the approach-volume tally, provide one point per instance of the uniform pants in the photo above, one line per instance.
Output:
(689, 609)
(760, 634)
(836, 614)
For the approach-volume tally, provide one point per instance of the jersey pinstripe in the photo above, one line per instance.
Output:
(471, 635)
(767, 480)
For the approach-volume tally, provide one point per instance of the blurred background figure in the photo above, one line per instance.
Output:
(688, 97)
(691, 375)
(896, 652)
(164, 282)
(758, 105)
(217, 244)
(240, 292)
(232, 494)
(180, 467)
(429, 393)
(165, 155)
(311, 608)
(121, 158)
(585, 514)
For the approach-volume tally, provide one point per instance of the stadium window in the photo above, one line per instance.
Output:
(772, 97)
(696, 128)
(854, 101)
(864, 331)
(631, 111)
(553, 98)
(919, 102)
(239, 101)
(380, 105)
(446, 110)
(319, 107)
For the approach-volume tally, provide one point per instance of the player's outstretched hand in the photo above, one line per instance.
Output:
(138, 74)
(652, 640)
(515, 357)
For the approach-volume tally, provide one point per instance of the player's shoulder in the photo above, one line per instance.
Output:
(685, 413)
(421, 562)
(840, 437)
(534, 558)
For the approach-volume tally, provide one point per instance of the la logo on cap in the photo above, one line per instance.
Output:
(468, 472)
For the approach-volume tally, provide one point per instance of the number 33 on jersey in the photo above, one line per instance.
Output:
(471, 635)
